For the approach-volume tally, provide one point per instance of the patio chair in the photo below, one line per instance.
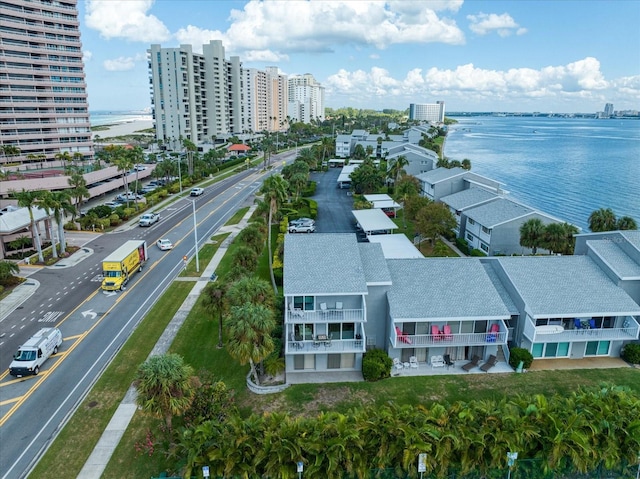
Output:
(493, 333)
(413, 362)
(295, 311)
(447, 361)
(338, 305)
(577, 323)
(397, 364)
(472, 364)
(436, 333)
(437, 361)
(489, 364)
(323, 309)
(447, 333)
(592, 323)
(295, 342)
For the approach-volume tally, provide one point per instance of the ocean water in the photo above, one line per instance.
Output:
(564, 167)
(99, 118)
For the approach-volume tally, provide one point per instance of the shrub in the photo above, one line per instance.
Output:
(71, 226)
(477, 252)
(310, 189)
(462, 245)
(631, 353)
(376, 365)
(520, 354)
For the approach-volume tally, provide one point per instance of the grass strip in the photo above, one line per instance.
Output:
(235, 219)
(71, 449)
(204, 256)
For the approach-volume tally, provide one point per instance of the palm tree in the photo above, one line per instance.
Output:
(60, 203)
(554, 238)
(46, 202)
(78, 190)
(274, 190)
(250, 290)
(532, 234)
(64, 157)
(29, 199)
(250, 338)
(124, 162)
(626, 223)
(8, 269)
(165, 386)
(213, 299)
(406, 187)
(603, 219)
(397, 168)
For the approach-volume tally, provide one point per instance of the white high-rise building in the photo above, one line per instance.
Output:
(43, 97)
(433, 112)
(195, 96)
(306, 99)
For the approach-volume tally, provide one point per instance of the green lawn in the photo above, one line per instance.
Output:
(235, 219)
(204, 256)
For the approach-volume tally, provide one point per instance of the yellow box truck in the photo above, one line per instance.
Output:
(122, 263)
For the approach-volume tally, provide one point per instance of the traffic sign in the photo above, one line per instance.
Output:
(422, 462)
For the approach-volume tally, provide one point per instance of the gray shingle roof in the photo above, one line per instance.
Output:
(322, 264)
(620, 262)
(441, 174)
(497, 212)
(468, 198)
(443, 288)
(506, 297)
(374, 264)
(632, 237)
(566, 286)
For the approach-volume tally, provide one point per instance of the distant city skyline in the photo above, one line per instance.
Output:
(527, 56)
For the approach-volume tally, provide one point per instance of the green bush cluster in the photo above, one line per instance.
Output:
(376, 365)
(477, 252)
(631, 353)
(520, 354)
(310, 190)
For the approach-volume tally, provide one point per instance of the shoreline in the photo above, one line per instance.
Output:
(124, 128)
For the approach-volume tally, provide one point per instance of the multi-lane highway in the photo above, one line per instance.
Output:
(96, 324)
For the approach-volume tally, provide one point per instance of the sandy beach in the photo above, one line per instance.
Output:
(124, 128)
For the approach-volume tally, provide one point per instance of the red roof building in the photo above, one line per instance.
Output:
(238, 148)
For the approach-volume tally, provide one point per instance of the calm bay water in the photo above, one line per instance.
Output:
(564, 167)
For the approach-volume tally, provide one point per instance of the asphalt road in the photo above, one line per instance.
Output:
(96, 324)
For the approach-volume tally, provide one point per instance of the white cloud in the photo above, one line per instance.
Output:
(504, 25)
(582, 79)
(87, 55)
(119, 64)
(127, 19)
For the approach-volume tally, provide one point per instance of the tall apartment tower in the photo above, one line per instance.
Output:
(195, 96)
(255, 99)
(306, 99)
(608, 109)
(433, 112)
(276, 99)
(43, 94)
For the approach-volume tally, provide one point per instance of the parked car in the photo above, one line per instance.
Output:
(148, 219)
(128, 196)
(196, 191)
(302, 228)
(164, 244)
(303, 221)
(113, 204)
(148, 189)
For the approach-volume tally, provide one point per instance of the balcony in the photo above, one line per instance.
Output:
(328, 316)
(626, 329)
(401, 340)
(326, 347)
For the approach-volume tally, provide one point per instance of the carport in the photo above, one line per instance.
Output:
(383, 202)
(344, 180)
(396, 246)
(374, 222)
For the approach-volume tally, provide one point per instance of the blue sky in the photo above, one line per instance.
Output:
(519, 55)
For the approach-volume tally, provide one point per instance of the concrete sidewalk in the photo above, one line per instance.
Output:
(101, 455)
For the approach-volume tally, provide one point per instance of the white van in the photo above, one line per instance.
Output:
(32, 354)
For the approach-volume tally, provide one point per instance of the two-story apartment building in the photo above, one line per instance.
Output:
(464, 200)
(343, 297)
(440, 182)
(494, 227)
(420, 160)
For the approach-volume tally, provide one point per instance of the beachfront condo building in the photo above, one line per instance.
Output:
(204, 96)
(433, 112)
(195, 96)
(306, 99)
(43, 94)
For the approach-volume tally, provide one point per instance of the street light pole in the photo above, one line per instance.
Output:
(195, 233)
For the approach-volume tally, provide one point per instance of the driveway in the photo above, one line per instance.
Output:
(334, 205)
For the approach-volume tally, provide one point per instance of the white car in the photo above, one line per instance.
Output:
(164, 244)
(196, 191)
(302, 228)
(149, 218)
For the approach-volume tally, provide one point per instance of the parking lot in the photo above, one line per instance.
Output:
(334, 205)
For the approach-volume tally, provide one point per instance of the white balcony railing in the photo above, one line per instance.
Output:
(628, 332)
(326, 347)
(460, 339)
(329, 316)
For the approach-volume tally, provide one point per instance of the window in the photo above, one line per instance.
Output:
(597, 348)
(471, 222)
(303, 331)
(469, 237)
(304, 361)
(484, 247)
(486, 230)
(341, 361)
(306, 303)
(550, 350)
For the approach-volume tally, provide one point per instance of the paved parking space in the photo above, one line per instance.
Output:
(334, 205)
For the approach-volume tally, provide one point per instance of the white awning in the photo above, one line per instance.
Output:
(374, 221)
(396, 246)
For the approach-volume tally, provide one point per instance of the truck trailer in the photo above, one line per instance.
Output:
(122, 263)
